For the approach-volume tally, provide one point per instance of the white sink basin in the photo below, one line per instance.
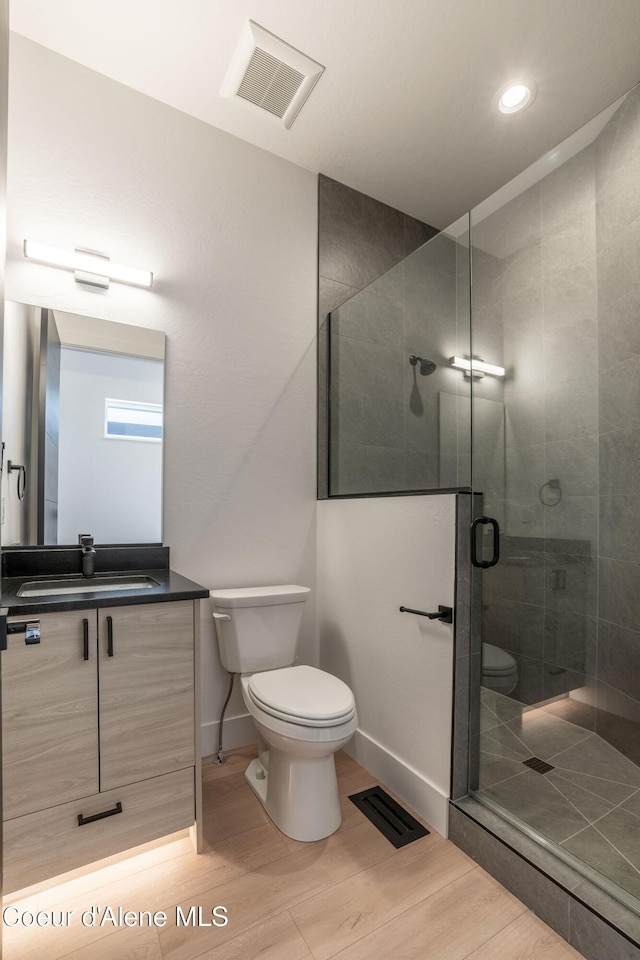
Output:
(80, 584)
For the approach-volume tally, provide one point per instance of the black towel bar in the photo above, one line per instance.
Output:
(444, 614)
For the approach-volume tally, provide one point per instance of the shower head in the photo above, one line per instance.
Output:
(426, 366)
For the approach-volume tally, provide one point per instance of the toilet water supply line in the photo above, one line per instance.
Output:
(220, 757)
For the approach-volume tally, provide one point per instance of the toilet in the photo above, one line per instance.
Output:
(499, 669)
(302, 714)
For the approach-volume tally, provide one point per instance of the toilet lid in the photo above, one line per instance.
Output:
(302, 695)
(495, 661)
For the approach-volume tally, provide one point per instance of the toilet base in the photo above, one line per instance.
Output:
(300, 796)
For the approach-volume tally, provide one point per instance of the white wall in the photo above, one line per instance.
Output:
(230, 233)
(107, 486)
(375, 555)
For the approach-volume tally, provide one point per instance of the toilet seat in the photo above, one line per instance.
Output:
(497, 662)
(302, 695)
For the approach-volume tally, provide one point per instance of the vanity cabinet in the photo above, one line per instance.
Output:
(145, 657)
(99, 735)
(49, 715)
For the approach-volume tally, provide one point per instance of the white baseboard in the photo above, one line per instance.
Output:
(236, 732)
(412, 787)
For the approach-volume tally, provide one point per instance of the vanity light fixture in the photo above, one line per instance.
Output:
(476, 368)
(89, 266)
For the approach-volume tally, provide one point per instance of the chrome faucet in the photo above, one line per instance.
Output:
(88, 554)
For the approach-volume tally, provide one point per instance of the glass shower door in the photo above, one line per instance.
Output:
(555, 301)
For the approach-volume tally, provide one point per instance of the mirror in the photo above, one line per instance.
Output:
(82, 429)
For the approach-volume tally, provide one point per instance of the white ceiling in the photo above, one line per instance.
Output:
(404, 110)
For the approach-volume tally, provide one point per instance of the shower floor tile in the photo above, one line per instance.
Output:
(595, 756)
(589, 803)
(581, 714)
(546, 736)
(633, 804)
(622, 830)
(496, 769)
(594, 849)
(606, 789)
(591, 806)
(503, 708)
(500, 741)
(488, 719)
(535, 800)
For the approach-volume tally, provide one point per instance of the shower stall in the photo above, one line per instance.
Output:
(501, 361)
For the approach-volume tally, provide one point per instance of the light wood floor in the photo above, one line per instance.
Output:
(352, 896)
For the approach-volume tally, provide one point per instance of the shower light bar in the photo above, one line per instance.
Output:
(475, 366)
(89, 266)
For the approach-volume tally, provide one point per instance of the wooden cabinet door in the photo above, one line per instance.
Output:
(146, 671)
(49, 714)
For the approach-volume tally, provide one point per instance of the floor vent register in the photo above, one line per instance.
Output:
(392, 820)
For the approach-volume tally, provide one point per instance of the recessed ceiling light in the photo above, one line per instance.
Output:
(516, 97)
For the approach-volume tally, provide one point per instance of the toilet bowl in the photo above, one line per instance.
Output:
(302, 715)
(499, 669)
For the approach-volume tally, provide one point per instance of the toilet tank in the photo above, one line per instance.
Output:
(262, 631)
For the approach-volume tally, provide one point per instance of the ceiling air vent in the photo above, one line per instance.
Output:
(269, 73)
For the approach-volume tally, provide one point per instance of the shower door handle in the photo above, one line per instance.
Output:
(476, 558)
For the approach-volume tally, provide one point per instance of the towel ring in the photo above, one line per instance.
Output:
(550, 493)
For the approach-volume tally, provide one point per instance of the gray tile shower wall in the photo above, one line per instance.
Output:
(557, 274)
(618, 277)
(359, 239)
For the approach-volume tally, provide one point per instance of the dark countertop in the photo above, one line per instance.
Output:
(27, 564)
(171, 586)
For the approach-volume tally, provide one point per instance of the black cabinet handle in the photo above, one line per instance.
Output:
(476, 560)
(85, 639)
(99, 816)
(109, 636)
